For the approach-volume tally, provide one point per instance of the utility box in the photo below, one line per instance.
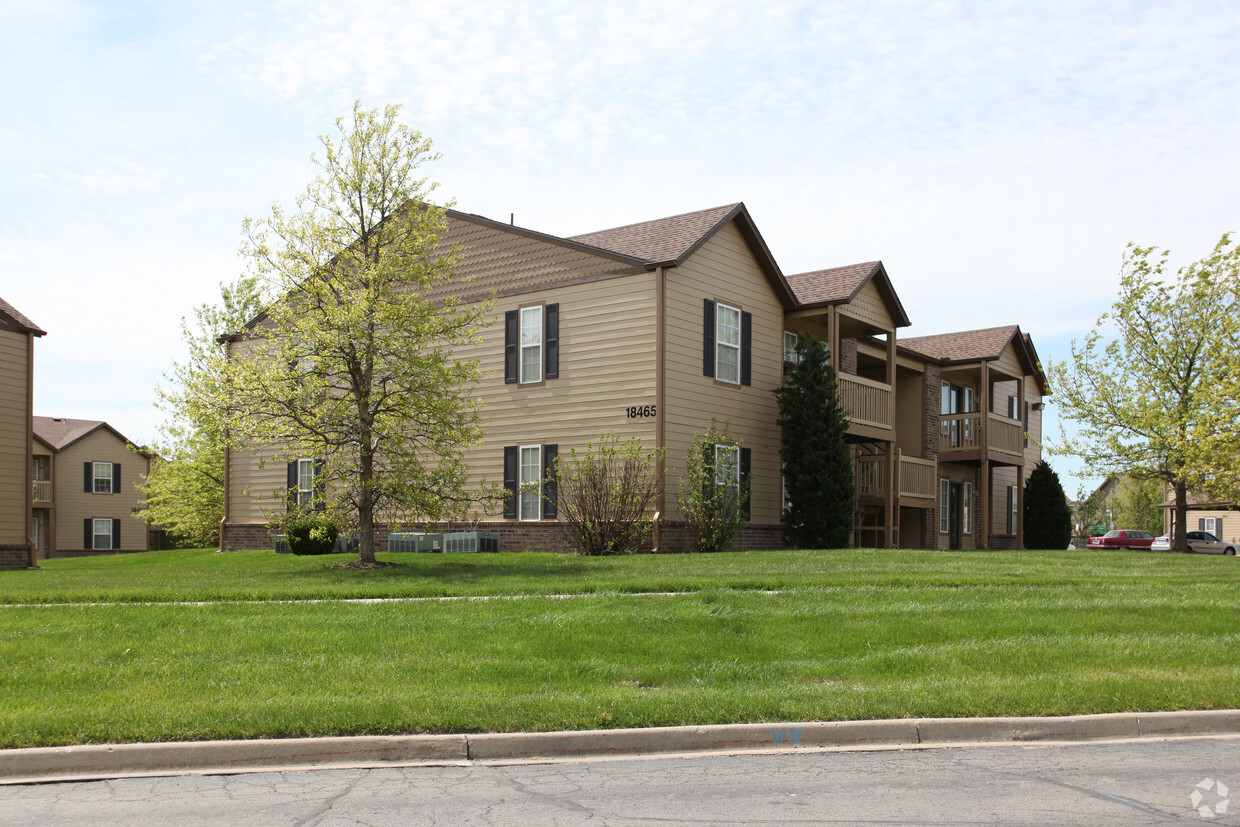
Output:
(408, 542)
(281, 544)
(465, 542)
(346, 544)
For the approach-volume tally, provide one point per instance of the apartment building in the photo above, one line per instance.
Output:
(85, 499)
(653, 329)
(17, 335)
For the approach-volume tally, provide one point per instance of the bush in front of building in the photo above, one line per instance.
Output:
(714, 491)
(309, 532)
(606, 494)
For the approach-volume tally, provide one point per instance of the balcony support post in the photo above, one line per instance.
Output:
(984, 427)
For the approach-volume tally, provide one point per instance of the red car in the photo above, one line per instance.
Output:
(1122, 538)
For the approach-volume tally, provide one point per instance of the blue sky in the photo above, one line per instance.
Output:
(983, 151)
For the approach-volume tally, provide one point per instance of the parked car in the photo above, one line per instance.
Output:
(1122, 538)
(1202, 542)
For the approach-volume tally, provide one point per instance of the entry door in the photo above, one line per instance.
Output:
(34, 535)
(953, 517)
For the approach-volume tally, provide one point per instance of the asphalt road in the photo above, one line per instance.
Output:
(1128, 783)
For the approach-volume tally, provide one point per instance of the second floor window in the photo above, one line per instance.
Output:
(791, 356)
(305, 483)
(103, 479)
(531, 344)
(728, 344)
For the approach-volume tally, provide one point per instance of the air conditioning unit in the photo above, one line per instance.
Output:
(464, 542)
(346, 544)
(281, 544)
(413, 541)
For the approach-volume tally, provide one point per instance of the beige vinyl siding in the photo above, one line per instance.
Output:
(607, 364)
(14, 434)
(868, 306)
(257, 485)
(1008, 362)
(724, 270)
(1231, 523)
(74, 504)
(1033, 451)
(1001, 477)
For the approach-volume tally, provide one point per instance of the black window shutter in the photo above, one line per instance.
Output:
(550, 500)
(88, 534)
(116, 534)
(1026, 421)
(1201, 525)
(116, 478)
(510, 347)
(1218, 528)
(708, 338)
(292, 485)
(319, 497)
(708, 471)
(510, 482)
(746, 348)
(745, 480)
(89, 483)
(551, 352)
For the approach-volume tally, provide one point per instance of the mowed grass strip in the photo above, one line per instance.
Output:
(1001, 640)
(204, 575)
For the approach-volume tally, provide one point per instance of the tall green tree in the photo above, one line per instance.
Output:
(1154, 388)
(353, 363)
(184, 491)
(817, 462)
(1136, 505)
(1048, 516)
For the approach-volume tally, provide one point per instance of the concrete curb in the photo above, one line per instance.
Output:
(94, 762)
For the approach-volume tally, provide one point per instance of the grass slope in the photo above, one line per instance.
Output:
(760, 636)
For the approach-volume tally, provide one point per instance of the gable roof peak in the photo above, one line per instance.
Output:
(667, 239)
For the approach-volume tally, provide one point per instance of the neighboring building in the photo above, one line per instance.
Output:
(653, 329)
(17, 335)
(1219, 518)
(85, 498)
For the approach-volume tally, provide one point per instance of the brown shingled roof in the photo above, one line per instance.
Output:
(13, 315)
(834, 284)
(663, 239)
(58, 433)
(964, 346)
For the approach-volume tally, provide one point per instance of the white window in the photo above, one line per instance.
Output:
(790, 348)
(945, 504)
(103, 478)
(530, 497)
(728, 469)
(103, 535)
(968, 508)
(1011, 503)
(1013, 408)
(783, 489)
(305, 483)
(1211, 525)
(531, 344)
(727, 344)
(945, 399)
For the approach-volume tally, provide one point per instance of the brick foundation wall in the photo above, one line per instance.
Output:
(63, 552)
(516, 535)
(14, 557)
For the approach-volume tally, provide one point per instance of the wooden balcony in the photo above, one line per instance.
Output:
(42, 492)
(867, 404)
(960, 438)
(915, 479)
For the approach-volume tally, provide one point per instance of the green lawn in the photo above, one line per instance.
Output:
(580, 643)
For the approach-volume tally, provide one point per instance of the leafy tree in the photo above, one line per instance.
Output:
(606, 493)
(1087, 510)
(818, 467)
(184, 491)
(1154, 388)
(353, 363)
(1048, 517)
(1136, 505)
(714, 493)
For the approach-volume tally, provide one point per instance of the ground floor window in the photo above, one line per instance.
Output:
(102, 535)
(944, 506)
(967, 517)
(530, 498)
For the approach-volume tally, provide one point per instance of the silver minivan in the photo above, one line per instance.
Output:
(1202, 542)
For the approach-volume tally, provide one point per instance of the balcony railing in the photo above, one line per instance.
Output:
(865, 401)
(42, 491)
(958, 432)
(915, 477)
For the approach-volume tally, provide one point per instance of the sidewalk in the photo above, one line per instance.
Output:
(94, 762)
